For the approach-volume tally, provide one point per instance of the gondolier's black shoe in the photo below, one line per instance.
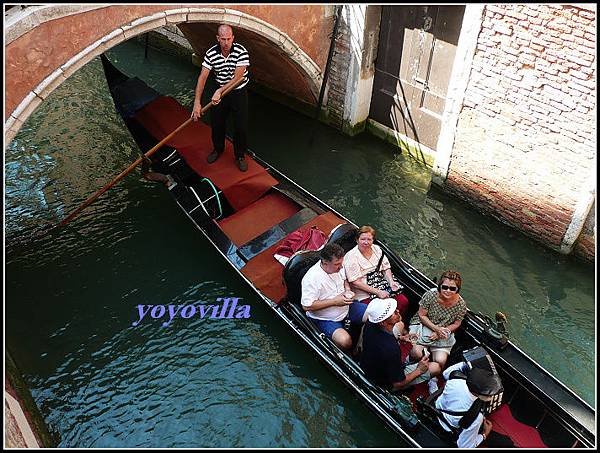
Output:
(241, 163)
(213, 156)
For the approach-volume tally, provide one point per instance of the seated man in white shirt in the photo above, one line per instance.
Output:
(327, 298)
(460, 395)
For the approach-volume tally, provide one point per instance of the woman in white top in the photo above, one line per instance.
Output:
(363, 259)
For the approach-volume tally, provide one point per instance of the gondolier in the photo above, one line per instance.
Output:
(229, 60)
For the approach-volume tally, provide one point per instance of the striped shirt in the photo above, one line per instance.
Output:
(224, 68)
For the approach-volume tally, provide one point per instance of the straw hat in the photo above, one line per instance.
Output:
(380, 309)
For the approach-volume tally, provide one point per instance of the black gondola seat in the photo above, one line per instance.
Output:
(295, 269)
(344, 235)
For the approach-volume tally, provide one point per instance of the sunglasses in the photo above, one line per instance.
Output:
(449, 288)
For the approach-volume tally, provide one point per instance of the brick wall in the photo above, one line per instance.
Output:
(168, 39)
(338, 74)
(525, 139)
(173, 34)
(584, 247)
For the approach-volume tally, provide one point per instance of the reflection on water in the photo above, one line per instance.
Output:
(71, 295)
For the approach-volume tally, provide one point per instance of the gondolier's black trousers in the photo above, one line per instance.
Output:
(235, 102)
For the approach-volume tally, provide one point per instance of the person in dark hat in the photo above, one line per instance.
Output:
(467, 396)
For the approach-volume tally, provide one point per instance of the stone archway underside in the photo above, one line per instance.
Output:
(302, 75)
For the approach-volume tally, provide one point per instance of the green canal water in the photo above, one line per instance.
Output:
(71, 296)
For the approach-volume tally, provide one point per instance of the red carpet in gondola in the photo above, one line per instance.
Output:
(163, 115)
(523, 436)
(248, 223)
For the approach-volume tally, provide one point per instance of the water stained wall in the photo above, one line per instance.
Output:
(525, 142)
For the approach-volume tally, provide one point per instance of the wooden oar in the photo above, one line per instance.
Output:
(124, 173)
(128, 170)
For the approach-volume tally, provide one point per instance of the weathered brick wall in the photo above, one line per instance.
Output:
(338, 74)
(168, 39)
(584, 247)
(173, 34)
(525, 139)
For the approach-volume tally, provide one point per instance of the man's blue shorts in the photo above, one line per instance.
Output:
(355, 313)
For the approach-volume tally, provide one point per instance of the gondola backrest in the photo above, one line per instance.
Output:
(344, 235)
(294, 271)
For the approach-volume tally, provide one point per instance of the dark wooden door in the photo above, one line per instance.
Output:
(417, 45)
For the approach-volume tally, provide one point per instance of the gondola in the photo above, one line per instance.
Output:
(246, 215)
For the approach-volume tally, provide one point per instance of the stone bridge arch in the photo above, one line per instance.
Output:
(35, 61)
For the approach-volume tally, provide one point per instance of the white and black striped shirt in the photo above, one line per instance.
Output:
(224, 68)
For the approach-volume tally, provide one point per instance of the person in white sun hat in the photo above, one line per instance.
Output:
(380, 358)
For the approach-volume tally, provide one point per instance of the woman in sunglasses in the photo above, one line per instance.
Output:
(441, 310)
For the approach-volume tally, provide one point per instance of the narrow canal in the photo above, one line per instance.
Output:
(71, 296)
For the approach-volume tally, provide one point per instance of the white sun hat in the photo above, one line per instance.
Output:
(380, 309)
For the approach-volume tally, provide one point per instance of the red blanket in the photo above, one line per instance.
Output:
(308, 239)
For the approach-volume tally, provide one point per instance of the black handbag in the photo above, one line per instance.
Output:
(376, 279)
